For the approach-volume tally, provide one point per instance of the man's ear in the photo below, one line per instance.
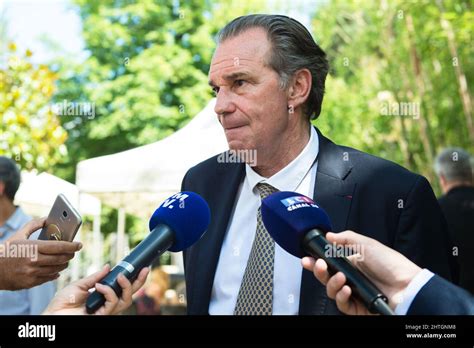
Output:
(299, 89)
(2, 188)
(442, 180)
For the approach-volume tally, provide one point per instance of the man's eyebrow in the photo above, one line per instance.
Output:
(232, 76)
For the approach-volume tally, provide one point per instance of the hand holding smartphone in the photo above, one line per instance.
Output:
(63, 221)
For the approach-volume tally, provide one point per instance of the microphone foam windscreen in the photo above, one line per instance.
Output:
(287, 216)
(187, 214)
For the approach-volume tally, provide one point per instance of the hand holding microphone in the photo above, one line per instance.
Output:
(387, 268)
(299, 226)
(178, 223)
(61, 304)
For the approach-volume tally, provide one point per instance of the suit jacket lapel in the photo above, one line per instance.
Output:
(333, 192)
(221, 198)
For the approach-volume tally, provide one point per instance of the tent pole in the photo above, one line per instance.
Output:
(120, 234)
(97, 240)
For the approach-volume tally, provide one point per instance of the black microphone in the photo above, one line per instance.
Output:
(299, 226)
(177, 224)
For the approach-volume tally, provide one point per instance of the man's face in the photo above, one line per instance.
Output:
(251, 106)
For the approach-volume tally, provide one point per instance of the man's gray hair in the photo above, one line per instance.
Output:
(455, 164)
(293, 48)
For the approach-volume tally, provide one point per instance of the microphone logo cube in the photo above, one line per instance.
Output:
(296, 202)
(180, 197)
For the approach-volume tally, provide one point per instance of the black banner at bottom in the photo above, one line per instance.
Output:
(223, 330)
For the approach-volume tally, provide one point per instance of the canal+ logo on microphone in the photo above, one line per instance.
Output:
(297, 202)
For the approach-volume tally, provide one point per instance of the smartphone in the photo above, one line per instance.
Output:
(63, 221)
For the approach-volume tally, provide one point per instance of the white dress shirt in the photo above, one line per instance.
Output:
(29, 301)
(298, 176)
(412, 290)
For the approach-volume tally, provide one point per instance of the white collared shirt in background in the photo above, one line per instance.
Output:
(29, 301)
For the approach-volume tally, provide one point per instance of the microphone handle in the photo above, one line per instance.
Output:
(315, 244)
(159, 240)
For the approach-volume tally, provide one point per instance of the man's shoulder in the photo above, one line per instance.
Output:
(18, 219)
(360, 162)
(456, 198)
(379, 173)
(208, 165)
(374, 164)
(204, 166)
(209, 168)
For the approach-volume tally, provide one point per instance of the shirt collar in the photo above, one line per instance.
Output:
(16, 220)
(290, 177)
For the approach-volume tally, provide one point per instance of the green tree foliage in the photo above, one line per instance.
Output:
(146, 73)
(30, 132)
(386, 53)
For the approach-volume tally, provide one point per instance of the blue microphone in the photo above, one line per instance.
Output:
(179, 222)
(299, 226)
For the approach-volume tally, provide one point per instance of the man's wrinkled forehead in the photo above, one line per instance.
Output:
(230, 62)
(248, 50)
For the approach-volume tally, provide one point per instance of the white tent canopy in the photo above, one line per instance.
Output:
(137, 180)
(37, 193)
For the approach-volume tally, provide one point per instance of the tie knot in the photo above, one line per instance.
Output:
(265, 190)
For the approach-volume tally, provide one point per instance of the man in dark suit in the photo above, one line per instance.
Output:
(268, 75)
(440, 297)
(454, 169)
(409, 289)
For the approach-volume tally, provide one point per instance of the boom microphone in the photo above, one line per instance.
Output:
(299, 226)
(178, 223)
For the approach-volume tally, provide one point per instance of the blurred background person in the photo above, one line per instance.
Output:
(175, 298)
(454, 169)
(12, 218)
(151, 296)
